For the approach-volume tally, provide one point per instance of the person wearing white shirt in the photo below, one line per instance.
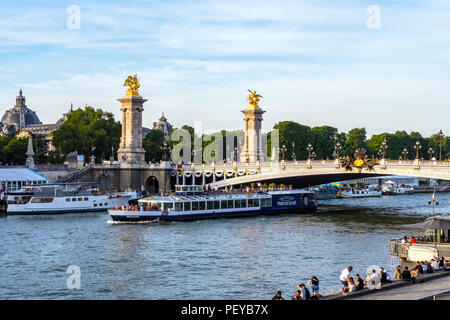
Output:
(345, 276)
(435, 265)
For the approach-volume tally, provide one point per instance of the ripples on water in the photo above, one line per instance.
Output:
(245, 258)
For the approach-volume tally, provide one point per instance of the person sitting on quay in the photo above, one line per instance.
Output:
(442, 264)
(373, 279)
(359, 283)
(304, 292)
(278, 296)
(424, 267)
(429, 267)
(351, 285)
(406, 275)
(313, 283)
(398, 273)
(297, 296)
(417, 270)
(345, 275)
(435, 265)
(384, 276)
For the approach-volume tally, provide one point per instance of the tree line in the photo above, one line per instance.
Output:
(91, 131)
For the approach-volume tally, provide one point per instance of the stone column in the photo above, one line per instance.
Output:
(252, 150)
(131, 151)
(29, 162)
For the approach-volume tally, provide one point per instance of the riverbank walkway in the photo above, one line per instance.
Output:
(426, 286)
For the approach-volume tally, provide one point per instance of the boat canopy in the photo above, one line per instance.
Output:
(173, 198)
(436, 222)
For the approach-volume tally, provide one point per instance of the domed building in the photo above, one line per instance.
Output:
(164, 126)
(18, 117)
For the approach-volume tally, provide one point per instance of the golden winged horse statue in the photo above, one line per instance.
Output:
(134, 85)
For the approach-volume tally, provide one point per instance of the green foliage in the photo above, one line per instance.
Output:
(14, 151)
(153, 144)
(89, 132)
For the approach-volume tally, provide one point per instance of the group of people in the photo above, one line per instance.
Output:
(303, 293)
(375, 278)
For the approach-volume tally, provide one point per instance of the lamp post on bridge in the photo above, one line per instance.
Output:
(430, 152)
(405, 154)
(310, 149)
(294, 157)
(283, 150)
(383, 148)
(417, 147)
(313, 155)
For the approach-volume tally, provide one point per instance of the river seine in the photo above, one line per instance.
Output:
(243, 258)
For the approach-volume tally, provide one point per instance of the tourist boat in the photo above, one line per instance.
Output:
(325, 192)
(190, 203)
(358, 193)
(63, 198)
(395, 191)
(3, 204)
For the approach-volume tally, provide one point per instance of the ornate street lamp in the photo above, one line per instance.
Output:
(235, 152)
(294, 157)
(430, 152)
(417, 147)
(380, 153)
(383, 148)
(192, 156)
(313, 155)
(310, 149)
(165, 155)
(337, 151)
(283, 151)
(405, 153)
(440, 144)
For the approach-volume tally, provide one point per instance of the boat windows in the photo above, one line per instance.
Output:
(250, 203)
(256, 202)
(86, 199)
(95, 204)
(243, 203)
(41, 200)
(80, 199)
(230, 204)
(237, 203)
(100, 204)
(306, 200)
(67, 199)
(194, 205)
(74, 199)
(216, 204)
(168, 205)
(106, 203)
(210, 205)
(187, 206)
(202, 205)
(224, 204)
(179, 206)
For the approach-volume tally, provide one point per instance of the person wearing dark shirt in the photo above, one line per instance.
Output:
(418, 269)
(429, 267)
(278, 296)
(359, 282)
(406, 275)
(305, 292)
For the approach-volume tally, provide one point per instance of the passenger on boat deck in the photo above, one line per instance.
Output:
(359, 282)
(412, 240)
(278, 296)
(122, 207)
(405, 239)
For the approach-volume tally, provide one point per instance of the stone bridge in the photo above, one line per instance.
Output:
(304, 173)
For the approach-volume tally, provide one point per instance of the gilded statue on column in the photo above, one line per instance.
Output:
(253, 99)
(133, 84)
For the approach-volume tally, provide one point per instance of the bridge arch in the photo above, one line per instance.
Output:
(152, 185)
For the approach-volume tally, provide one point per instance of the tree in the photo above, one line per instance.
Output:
(356, 139)
(15, 151)
(3, 142)
(89, 132)
(323, 142)
(291, 131)
(153, 144)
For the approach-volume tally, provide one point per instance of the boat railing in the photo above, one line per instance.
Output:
(399, 249)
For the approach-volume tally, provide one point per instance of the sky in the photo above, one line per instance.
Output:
(383, 65)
